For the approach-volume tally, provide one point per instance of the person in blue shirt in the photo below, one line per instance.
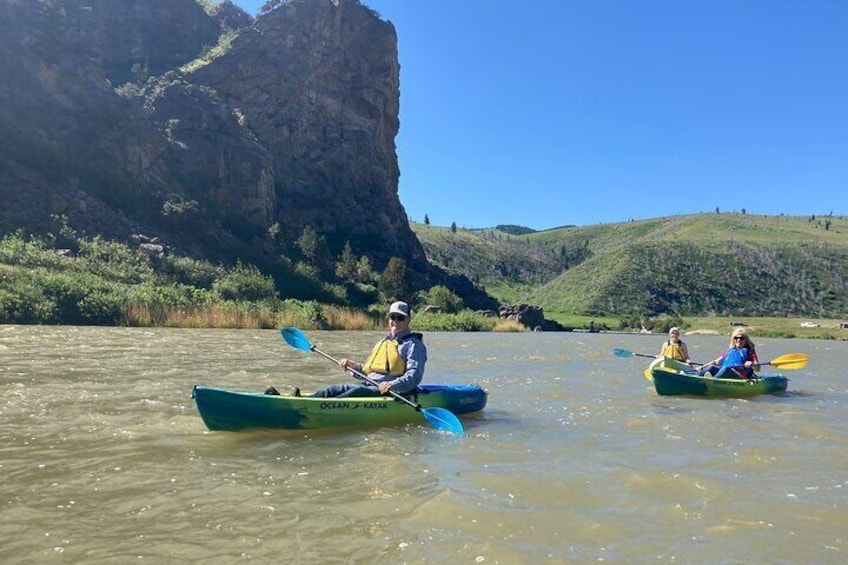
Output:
(738, 362)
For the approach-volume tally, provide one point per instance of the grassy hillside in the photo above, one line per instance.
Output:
(489, 257)
(694, 265)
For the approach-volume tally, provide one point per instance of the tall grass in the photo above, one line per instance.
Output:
(509, 326)
(250, 317)
(217, 316)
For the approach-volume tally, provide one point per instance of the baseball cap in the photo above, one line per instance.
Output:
(399, 308)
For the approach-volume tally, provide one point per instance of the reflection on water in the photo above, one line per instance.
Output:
(576, 459)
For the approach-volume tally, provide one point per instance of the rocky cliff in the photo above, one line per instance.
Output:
(220, 134)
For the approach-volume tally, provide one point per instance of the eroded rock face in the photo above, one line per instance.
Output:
(318, 83)
(292, 122)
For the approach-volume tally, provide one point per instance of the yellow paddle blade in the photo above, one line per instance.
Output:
(790, 361)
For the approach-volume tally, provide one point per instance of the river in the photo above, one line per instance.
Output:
(104, 458)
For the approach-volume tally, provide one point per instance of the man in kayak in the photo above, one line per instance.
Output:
(396, 362)
(738, 362)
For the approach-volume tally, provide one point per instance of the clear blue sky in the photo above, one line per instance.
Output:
(546, 113)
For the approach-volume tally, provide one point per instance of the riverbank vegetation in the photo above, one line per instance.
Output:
(75, 280)
(790, 287)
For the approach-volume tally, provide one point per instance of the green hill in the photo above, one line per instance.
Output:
(694, 265)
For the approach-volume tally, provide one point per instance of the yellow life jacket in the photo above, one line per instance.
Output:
(385, 359)
(674, 351)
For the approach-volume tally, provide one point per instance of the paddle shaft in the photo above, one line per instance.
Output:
(643, 355)
(366, 378)
(628, 353)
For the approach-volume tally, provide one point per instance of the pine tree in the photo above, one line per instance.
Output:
(394, 283)
(346, 265)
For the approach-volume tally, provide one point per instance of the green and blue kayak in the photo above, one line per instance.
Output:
(228, 410)
(668, 364)
(675, 378)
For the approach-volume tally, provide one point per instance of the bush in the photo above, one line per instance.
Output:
(307, 313)
(172, 296)
(465, 321)
(662, 325)
(185, 270)
(16, 250)
(24, 305)
(245, 282)
(114, 261)
(442, 297)
(103, 307)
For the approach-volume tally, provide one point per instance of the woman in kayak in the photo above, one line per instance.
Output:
(674, 348)
(396, 363)
(738, 362)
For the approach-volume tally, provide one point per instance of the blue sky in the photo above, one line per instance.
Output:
(546, 113)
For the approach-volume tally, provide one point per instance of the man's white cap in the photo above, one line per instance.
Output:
(399, 308)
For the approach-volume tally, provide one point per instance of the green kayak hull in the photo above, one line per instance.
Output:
(228, 410)
(668, 364)
(669, 382)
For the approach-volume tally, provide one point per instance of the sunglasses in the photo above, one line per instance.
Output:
(397, 317)
(740, 338)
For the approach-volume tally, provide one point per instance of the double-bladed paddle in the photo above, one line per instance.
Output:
(439, 418)
(627, 353)
(788, 361)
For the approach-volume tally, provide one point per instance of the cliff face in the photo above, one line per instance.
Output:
(317, 82)
(109, 117)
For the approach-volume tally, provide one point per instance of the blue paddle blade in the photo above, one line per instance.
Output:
(296, 339)
(622, 352)
(443, 420)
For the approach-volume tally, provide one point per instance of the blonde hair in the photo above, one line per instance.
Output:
(741, 332)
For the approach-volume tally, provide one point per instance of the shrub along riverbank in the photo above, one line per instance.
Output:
(98, 282)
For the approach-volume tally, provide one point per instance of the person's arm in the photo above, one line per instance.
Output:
(716, 361)
(685, 351)
(662, 351)
(753, 362)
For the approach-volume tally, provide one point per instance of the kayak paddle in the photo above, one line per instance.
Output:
(627, 353)
(788, 361)
(439, 418)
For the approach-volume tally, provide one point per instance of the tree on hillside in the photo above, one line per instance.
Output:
(394, 282)
(364, 272)
(346, 265)
(572, 253)
(314, 249)
(453, 227)
(426, 220)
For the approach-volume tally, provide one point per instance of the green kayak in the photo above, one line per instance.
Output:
(228, 410)
(669, 364)
(670, 379)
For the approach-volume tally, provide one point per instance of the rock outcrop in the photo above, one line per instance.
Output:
(220, 134)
